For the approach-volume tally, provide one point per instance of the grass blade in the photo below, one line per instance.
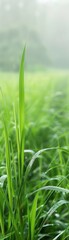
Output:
(57, 237)
(21, 115)
(50, 188)
(55, 206)
(35, 156)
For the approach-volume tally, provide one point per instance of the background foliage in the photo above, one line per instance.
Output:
(44, 28)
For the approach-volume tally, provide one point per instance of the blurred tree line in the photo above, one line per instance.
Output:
(44, 28)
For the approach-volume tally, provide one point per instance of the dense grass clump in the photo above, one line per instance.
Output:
(34, 156)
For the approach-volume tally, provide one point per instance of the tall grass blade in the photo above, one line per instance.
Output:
(21, 115)
(16, 127)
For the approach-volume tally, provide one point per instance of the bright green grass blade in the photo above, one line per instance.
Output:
(16, 127)
(33, 216)
(57, 237)
(21, 115)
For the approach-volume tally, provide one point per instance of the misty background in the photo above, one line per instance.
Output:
(43, 26)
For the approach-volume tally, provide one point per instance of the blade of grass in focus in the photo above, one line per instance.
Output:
(21, 116)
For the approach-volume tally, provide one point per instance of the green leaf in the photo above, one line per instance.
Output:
(35, 156)
(55, 206)
(57, 237)
(21, 115)
(50, 188)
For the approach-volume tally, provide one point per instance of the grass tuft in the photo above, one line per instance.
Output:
(34, 169)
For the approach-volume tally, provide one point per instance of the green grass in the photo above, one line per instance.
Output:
(34, 155)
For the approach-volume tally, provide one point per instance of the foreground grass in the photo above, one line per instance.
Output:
(34, 183)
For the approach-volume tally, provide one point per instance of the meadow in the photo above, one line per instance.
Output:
(34, 155)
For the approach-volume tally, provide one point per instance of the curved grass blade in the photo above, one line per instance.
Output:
(55, 206)
(35, 156)
(50, 188)
(57, 237)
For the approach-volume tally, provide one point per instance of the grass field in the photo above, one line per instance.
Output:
(34, 194)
